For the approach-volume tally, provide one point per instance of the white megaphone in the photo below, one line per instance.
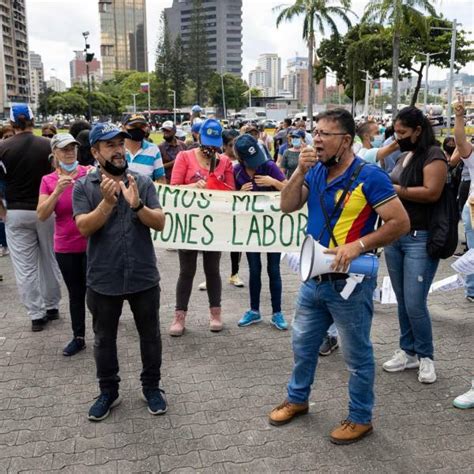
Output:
(314, 262)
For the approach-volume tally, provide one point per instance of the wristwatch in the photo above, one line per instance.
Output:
(140, 206)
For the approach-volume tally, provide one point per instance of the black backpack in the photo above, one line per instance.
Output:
(443, 227)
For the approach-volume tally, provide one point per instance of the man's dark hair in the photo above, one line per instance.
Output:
(364, 128)
(411, 117)
(22, 122)
(342, 117)
(288, 122)
(77, 126)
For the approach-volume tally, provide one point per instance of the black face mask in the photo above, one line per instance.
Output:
(137, 134)
(406, 144)
(208, 151)
(334, 160)
(114, 170)
(169, 138)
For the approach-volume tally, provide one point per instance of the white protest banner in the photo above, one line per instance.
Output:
(200, 219)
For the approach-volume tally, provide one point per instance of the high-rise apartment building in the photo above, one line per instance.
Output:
(78, 69)
(36, 79)
(123, 43)
(14, 67)
(258, 79)
(223, 25)
(271, 63)
(56, 84)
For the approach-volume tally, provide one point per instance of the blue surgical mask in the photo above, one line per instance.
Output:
(70, 167)
(296, 142)
(376, 141)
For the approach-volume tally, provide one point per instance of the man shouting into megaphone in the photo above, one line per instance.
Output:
(344, 196)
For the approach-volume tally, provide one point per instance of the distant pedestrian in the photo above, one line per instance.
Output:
(170, 147)
(142, 156)
(48, 130)
(115, 210)
(55, 197)
(25, 159)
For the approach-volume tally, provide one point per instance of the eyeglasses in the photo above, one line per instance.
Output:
(48, 136)
(323, 134)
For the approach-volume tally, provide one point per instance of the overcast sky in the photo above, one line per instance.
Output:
(56, 26)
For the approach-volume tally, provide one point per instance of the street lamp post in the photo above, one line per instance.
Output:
(367, 92)
(223, 92)
(427, 61)
(453, 30)
(174, 105)
(134, 103)
(89, 58)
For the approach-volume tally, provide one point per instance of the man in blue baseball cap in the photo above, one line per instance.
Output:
(25, 159)
(116, 209)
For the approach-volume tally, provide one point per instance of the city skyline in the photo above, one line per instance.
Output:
(259, 32)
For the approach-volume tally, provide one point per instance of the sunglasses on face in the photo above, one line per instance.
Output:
(48, 136)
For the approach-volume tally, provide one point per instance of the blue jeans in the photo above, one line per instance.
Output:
(411, 272)
(318, 305)
(255, 279)
(466, 218)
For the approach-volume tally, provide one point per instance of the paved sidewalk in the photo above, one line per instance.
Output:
(220, 388)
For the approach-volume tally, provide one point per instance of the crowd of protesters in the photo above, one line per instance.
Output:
(81, 205)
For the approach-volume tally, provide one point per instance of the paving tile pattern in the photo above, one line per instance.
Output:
(220, 388)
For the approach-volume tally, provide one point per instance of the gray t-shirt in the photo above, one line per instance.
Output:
(120, 255)
(289, 162)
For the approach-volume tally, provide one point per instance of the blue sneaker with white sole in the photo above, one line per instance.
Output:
(250, 317)
(278, 320)
(155, 400)
(100, 410)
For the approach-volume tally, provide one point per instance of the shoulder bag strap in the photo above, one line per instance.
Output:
(341, 199)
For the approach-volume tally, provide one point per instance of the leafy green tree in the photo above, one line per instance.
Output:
(164, 63)
(437, 42)
(196, 50)
(398, 13)
(235, 90)
(317, 14)
(178, 70)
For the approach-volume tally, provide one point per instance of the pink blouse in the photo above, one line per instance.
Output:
(186, 170)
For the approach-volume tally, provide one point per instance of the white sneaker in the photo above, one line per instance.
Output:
(466, 400)
(426, 373)
(202, 286)
(401, 361)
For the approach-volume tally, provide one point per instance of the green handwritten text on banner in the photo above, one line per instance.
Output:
(202, 219)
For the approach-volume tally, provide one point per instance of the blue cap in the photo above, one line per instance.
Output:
(20, 109)
(196, 128)
(298, 133)
(211, 133)
(196, 109)
(105, 131)
(249, 151)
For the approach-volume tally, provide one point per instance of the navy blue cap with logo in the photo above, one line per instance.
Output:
(105, 131)
(249, 151)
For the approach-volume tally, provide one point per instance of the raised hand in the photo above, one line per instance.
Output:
(63, 182)
(307, 159)
(459, 107)
(108, 188)
(131, 193)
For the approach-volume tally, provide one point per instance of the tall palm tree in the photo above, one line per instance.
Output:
(397, 13)
(317, 14)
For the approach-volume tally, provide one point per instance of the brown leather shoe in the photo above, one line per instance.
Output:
(350, 432)
(285, 412)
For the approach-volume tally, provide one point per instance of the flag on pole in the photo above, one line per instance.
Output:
(144, 87)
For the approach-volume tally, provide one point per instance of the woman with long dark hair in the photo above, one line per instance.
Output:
(419, 178)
